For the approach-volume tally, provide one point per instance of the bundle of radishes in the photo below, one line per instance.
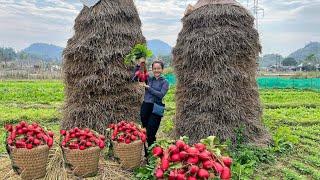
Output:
(82, 139)
(180, 161)
(127, 132)
(29, 136)
(142, 73)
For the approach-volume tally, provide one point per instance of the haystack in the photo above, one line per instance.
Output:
(98, 85)
(215, 61)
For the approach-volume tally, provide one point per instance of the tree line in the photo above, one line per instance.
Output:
(9, 54)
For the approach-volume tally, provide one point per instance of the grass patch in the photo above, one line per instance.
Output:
(39, 92)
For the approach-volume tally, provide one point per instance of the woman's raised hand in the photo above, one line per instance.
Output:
(143, 84)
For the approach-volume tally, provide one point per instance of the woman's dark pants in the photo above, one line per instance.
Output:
(149, 121)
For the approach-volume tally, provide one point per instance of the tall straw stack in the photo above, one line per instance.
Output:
(98, 86)
(215, 60)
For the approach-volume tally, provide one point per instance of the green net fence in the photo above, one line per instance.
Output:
(275, 82)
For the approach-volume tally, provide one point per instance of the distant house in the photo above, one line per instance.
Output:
(55, 68)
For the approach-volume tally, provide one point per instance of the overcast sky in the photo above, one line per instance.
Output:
(286, 25)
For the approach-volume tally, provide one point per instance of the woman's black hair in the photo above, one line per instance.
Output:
(158, 62)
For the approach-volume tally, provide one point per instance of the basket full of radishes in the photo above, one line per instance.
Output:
(178, 160)
(127, 140)
(81, 149)
(28, 147)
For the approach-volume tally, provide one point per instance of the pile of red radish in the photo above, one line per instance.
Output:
(29, 136)
(182, 162)
(127, 132)
(82, 139)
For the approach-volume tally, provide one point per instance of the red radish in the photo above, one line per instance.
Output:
(204, 156)
(63, 132)
(181, 177)
(227, 161)
(13, 134)
(193, 151)
(180, 171)
(88, 144)
(202, 173)
(9, 141)
(218, 167)
(29, 146)
(192, 178)
(23, 124)
(50, 142)
(24, 129)
(143, 138)
(159, 173)
(50, 133)
(173, 175)
(83, 142)
(133, 138)
(102, 137)
(157, 151)
(180, 144)
(77, 134)
(193, 160)
(164, 163)
(173, 149)
(39, 135)
(97, 141)
(87, 130)
(30, 133)
(20, 131)
(35, 125)
(175, 157)
(82, 147)
(201, 147)
(207, 152)
(9, 127)
(101, 144)
(113, 137)
(36, 142)
(20, 144)
(73, 146)
(183, 155)
(92, 139)
(207, 164)
(194, 169)
(44, 137)
(226, 173)
(30, 139)
(127, 141)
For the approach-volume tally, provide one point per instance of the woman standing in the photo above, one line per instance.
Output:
(156, 89)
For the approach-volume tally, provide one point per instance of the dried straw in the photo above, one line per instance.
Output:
(98, 84)
(215, 60)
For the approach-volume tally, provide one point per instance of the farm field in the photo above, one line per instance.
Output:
(292, 116)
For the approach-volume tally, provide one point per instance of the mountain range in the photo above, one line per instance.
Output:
(299, 55)
(51, 52)
(311, 48)
(45, 51)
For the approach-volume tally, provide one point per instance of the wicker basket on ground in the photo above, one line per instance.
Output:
(29, 163)
(130, 155)
(83, 163)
